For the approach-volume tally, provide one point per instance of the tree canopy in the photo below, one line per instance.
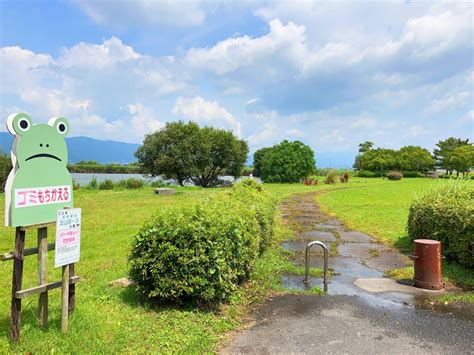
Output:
(444, 150)
(366, 146)
(183, 151)
(258, 157)
(285, 162)
(409, 158)
(462, 159)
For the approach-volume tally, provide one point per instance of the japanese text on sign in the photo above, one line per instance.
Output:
(38, 196)
(68, 236)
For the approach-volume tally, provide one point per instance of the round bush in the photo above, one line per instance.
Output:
(394, 175)
(446, 214)
(106, 185)
(331, 177)
(204, 250)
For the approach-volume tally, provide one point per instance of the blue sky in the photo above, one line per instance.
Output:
(331, 74)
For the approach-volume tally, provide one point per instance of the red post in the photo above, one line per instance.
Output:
(427, 258)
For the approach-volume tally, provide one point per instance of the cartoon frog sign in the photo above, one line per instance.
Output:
(39, 183)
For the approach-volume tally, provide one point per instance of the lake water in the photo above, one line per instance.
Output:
(85, 178)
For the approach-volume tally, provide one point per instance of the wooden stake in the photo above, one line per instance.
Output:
(65, 299)
(17, 280)
(72, 290)
(43, 274)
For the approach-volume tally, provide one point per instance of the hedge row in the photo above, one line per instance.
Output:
(446, 214)
(204, 250)
(372, 174)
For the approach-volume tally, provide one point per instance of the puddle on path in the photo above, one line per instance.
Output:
(359, 256)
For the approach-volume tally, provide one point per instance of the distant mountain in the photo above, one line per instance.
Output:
(85, 148)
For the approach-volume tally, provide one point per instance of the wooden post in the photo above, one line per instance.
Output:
(65, 299)
(43, 275)
(72, 290)
(17, 280)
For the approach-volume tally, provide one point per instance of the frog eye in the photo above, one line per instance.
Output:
(19, 123)
(61, 124)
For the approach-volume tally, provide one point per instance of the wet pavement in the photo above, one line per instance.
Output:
(350, 319)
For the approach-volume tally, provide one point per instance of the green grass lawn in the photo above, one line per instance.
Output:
(381, 210)
(111, 319)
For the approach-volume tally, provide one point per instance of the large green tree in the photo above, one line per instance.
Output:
(462, 159)
(258, 158)
(444, 150)
(288, 162)
(184, 151)
(414, 158)
(379, 160)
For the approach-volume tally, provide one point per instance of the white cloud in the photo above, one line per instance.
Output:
(21, 68)
(98, 56)
(252, 101)
(295, 133)
(266, 135)
(199, 110)
(433, 34)
(449, 101)
(226, 56)
(125, 13)
(86, 83)
(143, 120)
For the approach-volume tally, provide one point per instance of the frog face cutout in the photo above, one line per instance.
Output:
(39, 183)
(39, 144)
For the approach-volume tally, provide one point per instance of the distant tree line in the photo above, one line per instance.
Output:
(91, 166)
(451, 154)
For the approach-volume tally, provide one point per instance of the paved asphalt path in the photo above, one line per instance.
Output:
(342, 324)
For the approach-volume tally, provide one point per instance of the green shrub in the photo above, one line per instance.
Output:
(368, 174)
(394, 175)
(157, 183)
(131, 183)
(331, 177)
(93, 184)
(412, 174)
(106, 185)
(446, 214)
(202, 251)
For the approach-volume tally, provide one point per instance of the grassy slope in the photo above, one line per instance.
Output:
(110, 319)
(382, 211)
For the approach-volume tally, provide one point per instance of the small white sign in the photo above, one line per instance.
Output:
(68, 236)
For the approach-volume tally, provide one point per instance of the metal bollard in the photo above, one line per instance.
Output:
(427, 260)
(325, 248)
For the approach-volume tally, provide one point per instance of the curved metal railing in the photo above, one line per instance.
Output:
(325, 248)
